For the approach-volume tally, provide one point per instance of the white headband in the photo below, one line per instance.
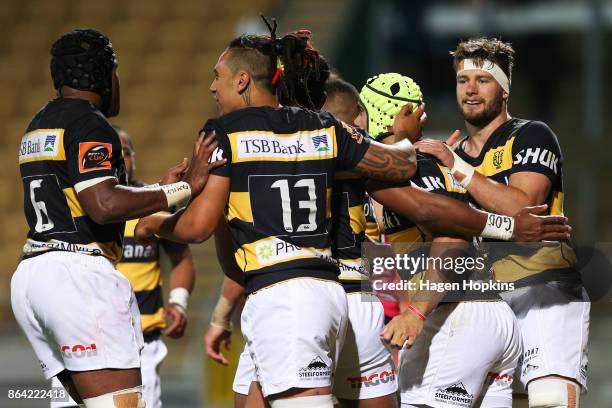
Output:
(490, 67)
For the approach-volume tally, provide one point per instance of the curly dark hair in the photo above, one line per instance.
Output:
(484, 48)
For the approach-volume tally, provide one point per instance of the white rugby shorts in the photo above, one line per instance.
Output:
(77, 311)
(464, 357)
(293, 332)
(554, 323)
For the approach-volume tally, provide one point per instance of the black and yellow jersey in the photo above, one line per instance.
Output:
(282, 163)
(141, 265)
(431, 176)
(349, 229)
(68, 146)
(527, 146)
(372, 230)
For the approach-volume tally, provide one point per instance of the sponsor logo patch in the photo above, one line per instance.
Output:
(273, 250)
(299, 146)
(454, 394)
(315, 370)
(40, 145)
(79, 351)
(94, 156)
(372, 380)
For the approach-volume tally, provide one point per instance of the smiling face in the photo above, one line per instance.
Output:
(480, 98)
(225, 87)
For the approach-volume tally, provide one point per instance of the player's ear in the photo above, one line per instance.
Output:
(243, 81)
(505, 96)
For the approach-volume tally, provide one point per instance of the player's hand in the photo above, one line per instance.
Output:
(531, 226)
(175, 173)
(453, 139)
(143, 232)
(214, 338)
(402, 330)
(178, 323)
(199, 167)
(408, 125)
(438, 149)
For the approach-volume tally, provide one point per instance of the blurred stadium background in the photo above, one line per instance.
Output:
(166, 51)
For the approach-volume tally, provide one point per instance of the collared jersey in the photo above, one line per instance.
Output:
(141, 265)
(281, 162)
(516, 146)
(68, 146)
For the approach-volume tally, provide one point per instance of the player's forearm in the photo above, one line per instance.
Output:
(395, 163)
(437, 214)
(497, 197)
(120, 203)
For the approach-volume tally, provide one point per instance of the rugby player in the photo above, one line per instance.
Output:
(77, 311)
(278, 180)
(141, 265)
(506, 163)
(439, 334)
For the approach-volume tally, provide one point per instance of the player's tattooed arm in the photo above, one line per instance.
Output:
(394, 163)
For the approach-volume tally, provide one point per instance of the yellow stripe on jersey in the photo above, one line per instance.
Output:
(264, 145)
(239, 206)
(358, 220)
(153, 321)
(556, 205)
(497, 160)
(450, 183)
(42, 145)
(76, 209)
(408, 235)
(372, 231)
(515, 267)
(271, 251)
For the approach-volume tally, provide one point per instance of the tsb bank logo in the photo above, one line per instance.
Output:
(79, 351)
(270, 146)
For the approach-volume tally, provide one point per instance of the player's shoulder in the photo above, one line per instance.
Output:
(535, 128)
(428, 165)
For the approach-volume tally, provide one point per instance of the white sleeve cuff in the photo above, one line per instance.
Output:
(80, 186)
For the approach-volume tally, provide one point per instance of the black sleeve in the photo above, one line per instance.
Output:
(224, 151)
(352, 143)
(537, 149)
(435, 178)
(93, 150)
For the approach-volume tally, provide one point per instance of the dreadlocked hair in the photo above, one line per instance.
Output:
(288, 66)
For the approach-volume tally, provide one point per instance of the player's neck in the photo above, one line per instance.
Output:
(478, 135)
(72, 93)
(261, 99)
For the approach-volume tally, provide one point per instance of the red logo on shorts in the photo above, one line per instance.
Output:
(500, 379)
(79, 351)
(373, 380)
